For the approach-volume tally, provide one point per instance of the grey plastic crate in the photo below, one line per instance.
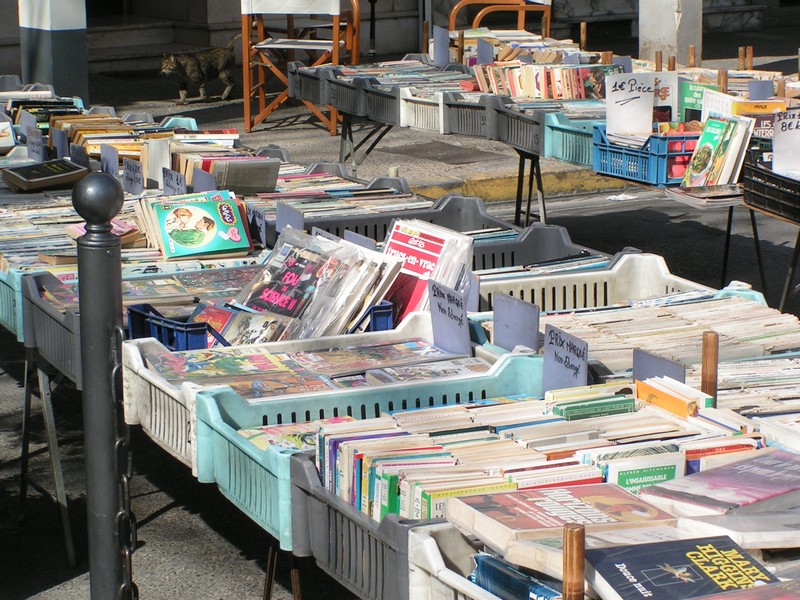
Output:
(460, 213)
(348, 97)
(519, 130)
(368, 558)
(55, 335)
(383, 106)
(304, 83)
(463, 117)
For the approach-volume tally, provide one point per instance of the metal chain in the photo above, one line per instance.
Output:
(125, 520)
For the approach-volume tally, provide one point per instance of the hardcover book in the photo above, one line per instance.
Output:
(673, 570)
(498, 519)
(48, 174)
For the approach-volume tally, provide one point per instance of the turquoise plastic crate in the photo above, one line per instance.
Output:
(11, 302)
(258, 481)
(661, 162)
(568, 140)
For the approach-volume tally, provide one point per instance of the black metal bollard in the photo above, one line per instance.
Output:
(98, 198)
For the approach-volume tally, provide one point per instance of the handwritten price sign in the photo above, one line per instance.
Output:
(786, 143)
(629, 103)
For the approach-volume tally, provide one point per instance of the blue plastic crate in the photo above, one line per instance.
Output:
(145, 321)
(568, 140)
(257, 481)
(660, 162)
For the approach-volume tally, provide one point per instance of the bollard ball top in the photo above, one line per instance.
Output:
(97, 198)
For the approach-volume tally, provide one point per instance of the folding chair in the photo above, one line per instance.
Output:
(265, 57)
(521, 7)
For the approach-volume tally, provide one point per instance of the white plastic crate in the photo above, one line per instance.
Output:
(166, 412)
(429, 577)
(628, 277)
(426, 114)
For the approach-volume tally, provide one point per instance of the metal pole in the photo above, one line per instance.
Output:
(97, 199)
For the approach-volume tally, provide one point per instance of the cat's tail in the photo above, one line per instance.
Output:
(231, 44)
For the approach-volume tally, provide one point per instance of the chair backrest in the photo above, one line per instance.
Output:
(291, 7)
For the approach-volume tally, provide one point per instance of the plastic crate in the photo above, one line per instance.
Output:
(768, 191)
(304, 83)
(461, 213)
(661, 162)
(431, 574)
(166, 412)
(464, 116)
(426, 114)
(568, 140)
(370, 559)
(523, 132)
(145, 321)
(383, 105)
(11, 302)
(348, 97)
(245, 474)
(628, 277)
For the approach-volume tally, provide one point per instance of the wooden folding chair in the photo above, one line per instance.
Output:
(265, 56)
(521, 7)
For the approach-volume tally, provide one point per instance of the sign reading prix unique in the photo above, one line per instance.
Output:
(566, 360)
(629, 102)
(174, 182)
(516, 322)
(132, 176)
(288, 216)
(35, 144)
(109, 159)
(646, 364)
(449, 319)
(786, 143)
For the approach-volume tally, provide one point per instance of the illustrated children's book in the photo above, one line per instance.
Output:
(673, 570)
(198, 224)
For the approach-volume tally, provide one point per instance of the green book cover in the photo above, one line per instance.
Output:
(595, 408)
(208, 225)
(690, 99)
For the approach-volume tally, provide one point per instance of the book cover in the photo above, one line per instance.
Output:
(768, 480)
(217, 317)
(768, 529)
(205, 226)
(498, 519)
(673, 570)
(785, 590)
(257, 328)
(700, 164)
(292, 436)
(51, 173)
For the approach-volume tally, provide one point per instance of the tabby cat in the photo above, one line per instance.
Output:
(201, 67)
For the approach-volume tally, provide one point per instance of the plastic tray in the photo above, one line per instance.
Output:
(770, 192)
(521, 131)
(176, 334)
(166, 412)
(568, 140)
(461, 213)
(347, 96)
(383, 105)
(370, 559)
(628, 277)
(11, 302)
(245, 474)
(430, 576)
(304, 83)
(465, 117)
(426, 114)
(661, 162)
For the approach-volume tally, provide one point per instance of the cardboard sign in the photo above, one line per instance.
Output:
(760, 89)
(79, 155)
(472, 295)
(174, 182)
(629, 102)
(35, 144)
(786, 143)
(26, 120)
(516, 322)
(647, 365)
(360, 240)
(203, 181)
(485, 53)
(441, 46)
(59, 142)
(287, 215)
(132, 176)
(317, 232)
(625, 62)
(571, 59)
(109, 159)
(566, 360)
(449, 319)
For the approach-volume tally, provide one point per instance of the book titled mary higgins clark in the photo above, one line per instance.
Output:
(211, 225)
(674, 569)
(498, 519)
